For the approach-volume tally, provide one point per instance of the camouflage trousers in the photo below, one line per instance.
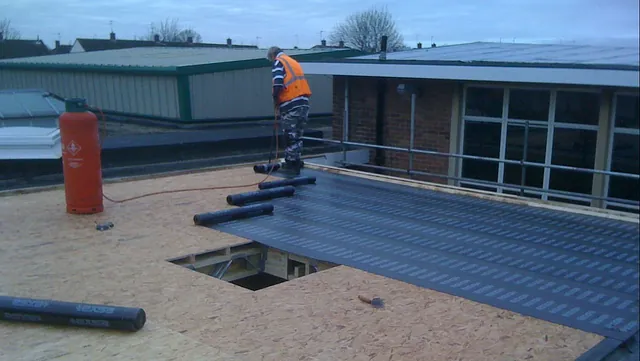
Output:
(293, 123)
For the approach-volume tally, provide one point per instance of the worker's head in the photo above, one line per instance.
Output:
(272, 52)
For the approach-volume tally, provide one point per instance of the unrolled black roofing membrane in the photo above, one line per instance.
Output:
(571, 269)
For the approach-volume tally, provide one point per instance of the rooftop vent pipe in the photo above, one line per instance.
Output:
(383, 48)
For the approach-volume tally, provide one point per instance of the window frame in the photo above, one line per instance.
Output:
(612, 131)
(550, 125)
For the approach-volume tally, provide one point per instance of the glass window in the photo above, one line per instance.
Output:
(481, 139)
(9, 108)
(529, 104)
(536, 150)
(577, 108)
(627, 113)
(624, 159)
(484, 102)
(574, 148)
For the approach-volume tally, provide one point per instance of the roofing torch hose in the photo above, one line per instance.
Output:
(274, 139)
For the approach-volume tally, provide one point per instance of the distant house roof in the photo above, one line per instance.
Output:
(89, 45)
(323, 45)
(167, 60)
(504, 62)
(11, 48)
(61, 49)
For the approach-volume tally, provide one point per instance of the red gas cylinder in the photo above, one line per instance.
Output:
(81, 163)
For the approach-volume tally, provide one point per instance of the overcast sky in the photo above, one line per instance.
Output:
(287, 22)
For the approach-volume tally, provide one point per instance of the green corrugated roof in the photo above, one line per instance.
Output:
(167, 60)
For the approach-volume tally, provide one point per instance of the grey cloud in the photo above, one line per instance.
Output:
(284, 21)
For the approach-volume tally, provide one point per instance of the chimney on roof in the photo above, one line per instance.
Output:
(229, 41)
(341, 44)
(156, 38)
(323, 42)
(190, 39)
(112, 36)
(57, 44)
(433, 45)
(419, 45)
(383, 48)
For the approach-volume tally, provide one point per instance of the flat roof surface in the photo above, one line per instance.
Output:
(520, 53)
(577, 270)
(158, 57)
(47, 253)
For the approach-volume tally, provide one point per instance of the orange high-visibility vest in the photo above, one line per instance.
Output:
(295, 84)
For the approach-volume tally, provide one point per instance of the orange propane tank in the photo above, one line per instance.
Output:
(81, 165)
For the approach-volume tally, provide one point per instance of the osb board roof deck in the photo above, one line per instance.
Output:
(46, 253)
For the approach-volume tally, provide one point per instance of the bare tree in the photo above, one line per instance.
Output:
(363, 31)
(170, 30)
(7, 31)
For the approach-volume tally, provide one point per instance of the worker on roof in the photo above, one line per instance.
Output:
(291, 94)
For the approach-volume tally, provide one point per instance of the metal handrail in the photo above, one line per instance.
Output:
(462, 156)
(523, 162)
(492, 183)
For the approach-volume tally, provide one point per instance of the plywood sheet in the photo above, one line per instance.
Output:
(46, 253)
(152, 343)
(321, 316)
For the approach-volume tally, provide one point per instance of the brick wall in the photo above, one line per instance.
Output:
(432, 121)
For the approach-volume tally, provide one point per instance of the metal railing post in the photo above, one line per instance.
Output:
(523, 167)
(345, 120)
(412, 130)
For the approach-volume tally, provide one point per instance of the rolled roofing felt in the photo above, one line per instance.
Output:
(53, 312)
(288, 182)
(261, 195)
(211, 218)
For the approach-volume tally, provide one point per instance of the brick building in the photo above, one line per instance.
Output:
(567, 105)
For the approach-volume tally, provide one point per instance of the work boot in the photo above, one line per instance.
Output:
(291, 167)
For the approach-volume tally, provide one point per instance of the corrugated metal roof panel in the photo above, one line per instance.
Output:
(521, 53)
(28, 104)
(157, 57)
